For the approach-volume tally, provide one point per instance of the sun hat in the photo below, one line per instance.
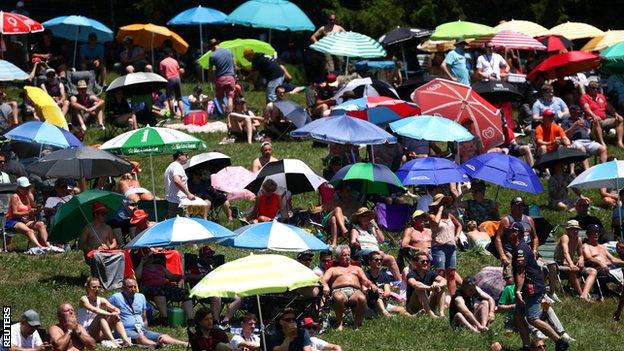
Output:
(441, 198)
(23, 182)
(32, 318)
(82, 84)
(362, 211)
(138, 216)
(572, 224)
(50, 70)
(418, 213)
(98, 207)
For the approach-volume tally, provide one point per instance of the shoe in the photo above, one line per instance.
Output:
(567, 337)
(540, 335)
(562, 345)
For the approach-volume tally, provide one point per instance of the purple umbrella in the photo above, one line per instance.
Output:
(490, 279)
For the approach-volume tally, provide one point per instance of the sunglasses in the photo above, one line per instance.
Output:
(289, 319)
(424, 261)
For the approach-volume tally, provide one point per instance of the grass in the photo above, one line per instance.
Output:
(43, 283)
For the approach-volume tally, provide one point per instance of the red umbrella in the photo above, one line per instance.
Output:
(555, 42)
(459, 103)
(565, 64)
(378, 110)
(509, 40)
(14, 23)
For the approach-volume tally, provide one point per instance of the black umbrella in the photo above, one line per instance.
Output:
(138, 83)
(407, 88)
(366, 87)
(291, 174)
(401, 34)
(497, 91)
(563, 155)
(293, 112)
(213, 162)
(80, 162)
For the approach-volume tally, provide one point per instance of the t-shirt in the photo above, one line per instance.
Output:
(223, 62)
(302, 340)
(508, 297)
(170, 68)
(491, 64)
(54, 201)
(522, 256)
(210, 342)
(428, 278)
(18, 340)
(548, 134)
(555, 104)
(268, 68)
(172, 193)
(382, 279)
(457, 64)
(318, 344)
(237, 339)
(597, 104)
(578, 133)
(92, 53)
(130, 314)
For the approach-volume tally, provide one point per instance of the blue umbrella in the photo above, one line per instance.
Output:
(178, 231)
(431, 171)
(432, 128)
(504, 170)
(43, 133)
(605, 175)
(276, 236)
(344, 130)
(293, 112)
(9, 72)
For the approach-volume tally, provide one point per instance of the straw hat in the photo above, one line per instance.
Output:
(82, 84)
(441, 199)
(362, 211)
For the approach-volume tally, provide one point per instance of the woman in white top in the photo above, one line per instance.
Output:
(246, 340)
(97, 315)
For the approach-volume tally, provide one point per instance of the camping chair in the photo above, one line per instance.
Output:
(114, 128)
(74, 76)
(162, 208)
(392, 218)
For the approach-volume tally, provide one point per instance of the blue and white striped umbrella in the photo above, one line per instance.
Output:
(605, 175)
(276, 236)
(180, 230)
(10, 72)
(349, 44)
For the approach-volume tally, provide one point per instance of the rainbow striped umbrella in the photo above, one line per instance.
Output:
(509, 40)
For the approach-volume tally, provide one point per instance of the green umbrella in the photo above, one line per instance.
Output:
(237, 46)
(369, 178)
(464, 29)
(72, 216)
(613, 59)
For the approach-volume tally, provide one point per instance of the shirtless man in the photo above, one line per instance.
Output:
(596, 255)
(97, 235)
(570, 245)
(417, 237)
(266, 149)
(346, 282)
(342, 206)
(330, 28)
(68, 335)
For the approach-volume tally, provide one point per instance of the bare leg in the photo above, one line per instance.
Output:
(43, 233)
(187, 306)
(379, 304)
(333, 230)
(450, 278)
(232, 308)
(227, 209)
(425, 303)
(249, 130)
(597, 129)
(168, 340)
(589, 283)
(618, 311)
(340, 220)
(161, 305)
(106, 331)
(602, 154)
(460, 320)
(215, 307)
(574, 281)
(390, 262)
(30, 234)
(544, 328)
(439, 302)
(523, 329)
(122, 332)
(359, 300)
(340, 301)
(142, 340)
(552, 276)
(181, 107)
(482, 313)
(100, 116)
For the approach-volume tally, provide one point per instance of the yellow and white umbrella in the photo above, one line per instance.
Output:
(437, 45)
(46, 107)
(610, 37)
(529, 28)
(576, 30)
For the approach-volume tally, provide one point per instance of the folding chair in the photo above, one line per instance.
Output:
(392, 218)
(88, 76)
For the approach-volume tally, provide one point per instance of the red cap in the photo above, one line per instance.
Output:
(138, 216)
(98, 207)
(331, 77)
(308, 322)
(548, 113)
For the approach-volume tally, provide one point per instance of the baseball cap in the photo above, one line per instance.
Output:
(516, 227)
(331, 77)
(32, 318)
(23, 182)
(548, 113)
(572, 224)
(308, 322)
(98, 207)
(306, 253)
(517, 201)
(593, 228)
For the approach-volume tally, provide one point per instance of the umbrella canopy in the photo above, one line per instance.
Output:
(293, 112)
(436, 45)
(78, 28)
(232, 180)
(490, 280)
(464, 29)
(529, 28)
(496, 91)
(237, 47)
(504, 170)
(272, 14)
(576, 30)
(198, 15)
(291, 174)
(460, 103)
(152, 140)
(431, 171)
(213, 162)
(138, 83)
(72, 217)
(565, 64)
(563, 155)
(401, 34)
(610, 37)
(276, 236)
(509, 40)
(366, 87)
(179, 231)
(604, 175)
(349, 44)
(432, 128)
(555, 42)
(369, 178)
(378, 110)
(42, 133)
(344, 130)
(149, 36)
(10, 72)
(14, 23)
(613, 59)
(80, 162)
(46, 107)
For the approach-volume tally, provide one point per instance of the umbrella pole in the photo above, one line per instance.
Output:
(90, 225)
(264, 346)
(153, 187)
(403, 59)
(201, 49)
(347, 66)
(269, 36)
(619, 207)
(75, 45)
(152, 45)
(496, 196)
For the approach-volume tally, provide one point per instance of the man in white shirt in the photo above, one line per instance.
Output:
(63, 194)
(491, 65)
(176, 183)
(24, 335)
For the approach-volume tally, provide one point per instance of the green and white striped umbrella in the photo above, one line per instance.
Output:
(152, 140)
(349, 44)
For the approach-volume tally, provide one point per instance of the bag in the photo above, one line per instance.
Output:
(198, 118)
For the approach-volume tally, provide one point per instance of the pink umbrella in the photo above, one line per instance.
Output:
(509, 40)
(490, 279)
(233, 180)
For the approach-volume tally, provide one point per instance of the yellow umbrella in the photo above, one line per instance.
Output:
(610, 37)
(437, 45)
(46, 107)
(150, 35)
(576, 30)
(529, 28)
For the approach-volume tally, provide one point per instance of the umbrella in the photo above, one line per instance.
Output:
(366, 87)
(431, 171)
(612, 59)
(490, 280)
(179, 231)
(138, 83)
(291, 174)
(349, 44)
(46, 107)
(10, 72)
(344, 130)
(213, 162)
(503, 170)
(78, 28)
(255, 275)
(402, 34)
(529, 28)
(555, 42)
(276, 236)
(436, 45)
(509, 40)
(232, 180)
(80, 162)
(42, 133)
(565, 64)
(610, 37)
(496, 91)
(563, 155)
(293, 112)
(237, 47)
(72, 216)
(459, 102)
(576, 30)
(464, 29)
(432, 128)
(150, 35)
(369, 178)
(15, 23)
(378, 110)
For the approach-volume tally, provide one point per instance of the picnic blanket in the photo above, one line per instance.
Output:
(210, 127)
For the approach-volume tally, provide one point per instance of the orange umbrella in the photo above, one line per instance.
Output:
(150, 35)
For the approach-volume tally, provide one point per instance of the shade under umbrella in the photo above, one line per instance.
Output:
(431, 171)
(496, 91)
(213, 162)
(276, 236)
(366, 87)
(563, 155)
(80, 162)
(344, 130)
(179, 231)
(432, 128)
(291, 174)
(401, 34)
(369, 178)
(293, 112)
(504, 170)
(138, 83)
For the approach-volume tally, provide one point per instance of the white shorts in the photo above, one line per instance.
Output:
(591, 147)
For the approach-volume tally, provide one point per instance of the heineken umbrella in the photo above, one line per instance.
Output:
(349, 44)
(369, 178)
(80, 162)
(237, 47)
(464, 29)
(291, 174)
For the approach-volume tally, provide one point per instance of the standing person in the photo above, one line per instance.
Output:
(68, 334)
(454, 64)
(222, 69)
(332, 63)
(92, 58)
(602, 114)
(491, 66)
(24, 335)
(176, 183)
(445, 229)
(268, 69)
(170, 69)
(289, 337)
(266, 151)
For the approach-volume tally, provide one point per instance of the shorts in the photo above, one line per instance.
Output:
(174, 88)
(225, 86)
(170, 292)
(444, 256)
(532, 308)
(325, 221)
(591, 147)
(134, 335)
(347, 290)
(608, 122)
(514, 149)
(10, 224)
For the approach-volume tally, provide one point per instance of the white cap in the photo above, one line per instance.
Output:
(23, 182)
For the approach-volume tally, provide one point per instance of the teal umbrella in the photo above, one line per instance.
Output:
(613, 59)
(349, 44)
(464, 29)
(432, 128)
(9, 72)
(369, 178)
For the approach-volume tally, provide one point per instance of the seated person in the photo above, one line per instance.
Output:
(62, 195)
(548, 101)
(415, 237)
(206, 336)
(246, 340)
(339, 211)
(56, 89)
(266, 156)
(558, 198)
(324, 96)
(68, 334)
(267, 204)
(288, 85)
(577, 128)
(130, 187)
(569, 258)
(85, 106)
(365, 238)
(583, 217)
(601, 114)
(346, 283)
(318, 344)
(121, 220)
(596, 255)
(513, 148)
(325, 261)
(476, 238)
(242, 120)
(288, 335)
(276, 124)
(9, 111)
(471, 307)
(333, 166)
(548, 135)
(132, 58)
(21, 215)
(197, 100)
(118, 108)
(381, 302)
(97, 235)
(348, 154)
(416, 148)
(24, 334)
(92, 58)
(480, 209)
(471, 148)
(305, 258)
(425, 289)
(213, 197)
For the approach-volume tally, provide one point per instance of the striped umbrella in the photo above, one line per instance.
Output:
(349, 44)
(464, 29)
(509, 40)
(377, 109)
(275, 236)
(291, 174)
(10, 72)
(369, 178)
(179, 231)
(611, 37)
(529, 28)
(576, 30)
(555, 42)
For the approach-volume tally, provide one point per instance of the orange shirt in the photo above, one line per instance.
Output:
(548, 134)
(170, 68)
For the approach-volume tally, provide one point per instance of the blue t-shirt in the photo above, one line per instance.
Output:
(556, 105)
(90, 53)
(579, 133)
(457, 64)
(129, 315)
(223, 62)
